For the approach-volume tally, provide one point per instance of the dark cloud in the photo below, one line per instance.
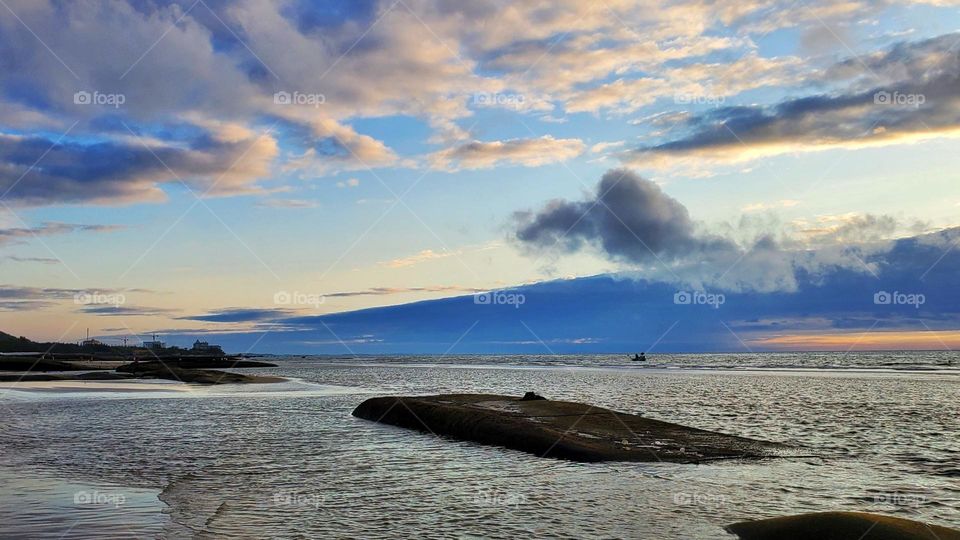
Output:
(35, 293)
(25, 305)
(386, 291)
(120, 172)
(906, 60)
(126, 311)
(637, 314)
(238, 315)
(911, 90)
(631, 221)
(627, 217)
(16, 292)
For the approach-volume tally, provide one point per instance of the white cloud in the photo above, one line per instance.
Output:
(287, 203)
(524, 152)
(782, 203)
(603, 146)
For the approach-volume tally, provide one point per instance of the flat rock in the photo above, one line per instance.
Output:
(561, 429)
(840, 526)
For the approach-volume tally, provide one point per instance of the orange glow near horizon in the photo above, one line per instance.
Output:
(867, 341)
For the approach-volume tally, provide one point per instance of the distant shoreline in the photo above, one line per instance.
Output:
(184, 369)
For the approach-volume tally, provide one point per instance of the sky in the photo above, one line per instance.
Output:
(435, 176)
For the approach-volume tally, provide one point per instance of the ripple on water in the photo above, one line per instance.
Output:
(292, 461)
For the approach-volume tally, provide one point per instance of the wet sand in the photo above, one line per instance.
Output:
(58, 386)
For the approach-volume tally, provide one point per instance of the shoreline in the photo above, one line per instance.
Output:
(26, 369)
(70, 386)
(201, 377)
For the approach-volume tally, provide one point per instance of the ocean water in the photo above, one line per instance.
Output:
(288, 460)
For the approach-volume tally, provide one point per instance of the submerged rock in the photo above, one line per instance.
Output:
(561, 429)
(840, 526)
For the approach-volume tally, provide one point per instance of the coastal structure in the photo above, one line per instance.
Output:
(90, 342)
(155, 344)
(203, 346)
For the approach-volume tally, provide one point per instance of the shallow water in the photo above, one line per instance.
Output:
(288, 460)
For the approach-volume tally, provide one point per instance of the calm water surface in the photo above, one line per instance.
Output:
(288, 460)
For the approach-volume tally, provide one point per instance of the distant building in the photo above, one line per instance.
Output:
(154, 344)
(203, 346)
(90, 342)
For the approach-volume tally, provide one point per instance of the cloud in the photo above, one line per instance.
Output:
(180, 71)
(50, 228)
(631, 221)
(692, 83)
(920, 101)
(127, 311)
(782, 203)
(387, 291)
(25, 305)
(423, 256)
(524, 152)
(41, 260)
(199, 81)
(375, 201)
(350, 182)
(18, 292)
(119, 172)
(604, 146)
(287, 203)
(238, 315)
(628, 218)
(836, 309)
(332, 146)
(854, 228)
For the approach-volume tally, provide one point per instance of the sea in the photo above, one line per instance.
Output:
(287, 460)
